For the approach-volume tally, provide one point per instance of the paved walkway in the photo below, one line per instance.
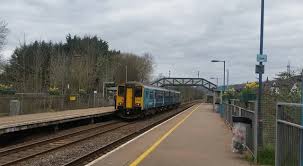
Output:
(198, 136)
(11, 123)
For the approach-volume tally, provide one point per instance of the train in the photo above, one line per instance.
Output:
(136, 100)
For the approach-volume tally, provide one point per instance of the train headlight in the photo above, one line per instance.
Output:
(120, 103)
(138, 104)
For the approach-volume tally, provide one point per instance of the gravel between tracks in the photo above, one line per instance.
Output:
(62, 156)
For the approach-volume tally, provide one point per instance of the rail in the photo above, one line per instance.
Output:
(231, 110)
(289, 134)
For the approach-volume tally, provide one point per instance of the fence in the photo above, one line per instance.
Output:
(289, 134)
(37, 103)
(231, 110)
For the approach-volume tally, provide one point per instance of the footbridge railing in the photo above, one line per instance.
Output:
(162, 82)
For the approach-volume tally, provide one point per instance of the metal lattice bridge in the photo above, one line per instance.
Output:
(162, 82)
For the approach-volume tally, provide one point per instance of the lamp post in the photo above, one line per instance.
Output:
(215, 78)
(260, 70)
(221, 108)
(125, 73)
(224, 72)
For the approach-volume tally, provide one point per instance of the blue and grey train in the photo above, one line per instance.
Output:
(134, 99)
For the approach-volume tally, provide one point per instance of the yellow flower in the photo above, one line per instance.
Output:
(251, 85)
(3, 86)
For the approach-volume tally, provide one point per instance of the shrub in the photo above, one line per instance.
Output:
(7, 89)
(230, 94)
(82, 92)
(249, 92)
(267, 155)
(54, 91)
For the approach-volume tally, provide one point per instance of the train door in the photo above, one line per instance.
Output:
(129, 97)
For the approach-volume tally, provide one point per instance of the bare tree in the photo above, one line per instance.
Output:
(3, 34)
(139, 68)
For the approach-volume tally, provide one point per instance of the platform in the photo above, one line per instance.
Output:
(197, 136)
(22, 122)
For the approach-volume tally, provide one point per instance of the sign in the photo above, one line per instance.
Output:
(261, 58)
(95, 92)
(72, 98)
(259, 69)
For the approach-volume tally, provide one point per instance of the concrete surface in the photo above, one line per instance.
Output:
(23, 122)
(203, 139)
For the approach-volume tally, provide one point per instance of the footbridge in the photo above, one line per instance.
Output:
(163, 82)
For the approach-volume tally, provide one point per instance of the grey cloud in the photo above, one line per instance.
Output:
(182, 35)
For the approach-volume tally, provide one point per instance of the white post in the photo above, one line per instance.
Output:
(214, 101)
(103, 89)
(95, 92)
(276, 145)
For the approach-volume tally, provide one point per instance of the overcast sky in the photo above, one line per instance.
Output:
(182, 35)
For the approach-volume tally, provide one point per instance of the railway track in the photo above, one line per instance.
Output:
(14, 155)
(17, 155)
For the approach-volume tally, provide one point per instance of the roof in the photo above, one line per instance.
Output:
(152, 87)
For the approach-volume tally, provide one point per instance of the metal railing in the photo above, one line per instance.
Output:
(289, 134)
(231, 110)
(39, 103)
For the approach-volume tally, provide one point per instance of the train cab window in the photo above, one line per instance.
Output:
(121, 91)
(138, 91)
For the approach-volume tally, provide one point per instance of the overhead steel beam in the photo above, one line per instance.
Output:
(162, 82)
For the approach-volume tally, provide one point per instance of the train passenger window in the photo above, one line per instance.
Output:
(138, 91)
(146, 93)
(121, 91)
(159, 94)
(151, 95)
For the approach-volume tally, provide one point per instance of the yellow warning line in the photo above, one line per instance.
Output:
(157, 143)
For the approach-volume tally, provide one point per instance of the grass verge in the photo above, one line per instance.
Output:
(266, 156)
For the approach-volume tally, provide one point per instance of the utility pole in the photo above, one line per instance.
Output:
(288, 68)
(125, 73)
(301, 115)
(223, 71)
(260, 75)
(259, 70)
(227, 80)
(224, 78)
(169, 74)
(198, 74)
(217, 81)
(302, 98)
